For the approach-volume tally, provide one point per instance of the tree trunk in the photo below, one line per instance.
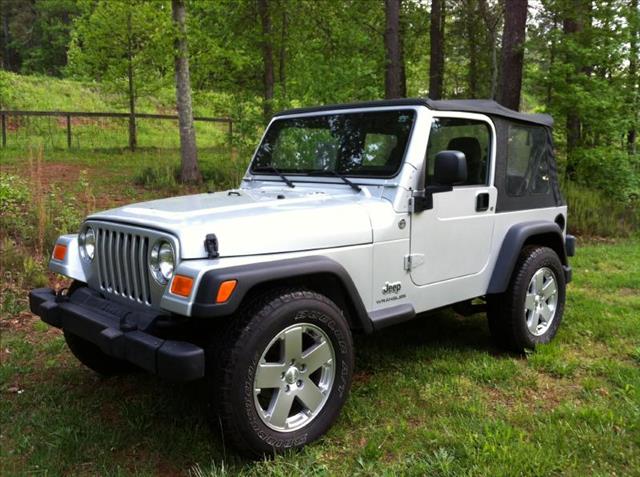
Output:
(189, 171)
(472, 45)
(393, 87)
(267, 58)
(436, 60)
(5, 64)
(634, 53)
(571, 25)
(282, 64)
(492, 23)
(513, 37)
(133, 136)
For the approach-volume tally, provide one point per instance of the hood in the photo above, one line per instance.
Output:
(253, 222)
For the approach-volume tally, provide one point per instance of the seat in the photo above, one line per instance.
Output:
(472, 150)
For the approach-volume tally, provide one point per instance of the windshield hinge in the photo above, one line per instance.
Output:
(413, 260)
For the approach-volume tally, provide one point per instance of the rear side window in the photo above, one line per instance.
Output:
(527, 161)
(466, 135)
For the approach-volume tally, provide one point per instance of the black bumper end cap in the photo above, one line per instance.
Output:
(42, 302)
(568, 273)
(570, 245)
(180, 361)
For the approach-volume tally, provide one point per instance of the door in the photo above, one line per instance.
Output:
(453, 239)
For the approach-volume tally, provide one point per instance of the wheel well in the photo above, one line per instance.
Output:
(551, 240)
(326, 284)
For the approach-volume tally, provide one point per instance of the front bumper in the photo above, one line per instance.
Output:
(119, 331)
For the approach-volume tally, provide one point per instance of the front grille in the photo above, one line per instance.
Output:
(122, 263)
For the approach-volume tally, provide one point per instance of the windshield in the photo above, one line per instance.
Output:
(369, 144)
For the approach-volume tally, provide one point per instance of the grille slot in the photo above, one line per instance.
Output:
(122, 264)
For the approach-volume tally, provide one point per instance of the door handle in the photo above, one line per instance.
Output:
(482, 202)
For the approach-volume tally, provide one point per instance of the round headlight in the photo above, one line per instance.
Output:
(162, 261)
(87, 241)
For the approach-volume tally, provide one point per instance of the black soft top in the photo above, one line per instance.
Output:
(484, 106)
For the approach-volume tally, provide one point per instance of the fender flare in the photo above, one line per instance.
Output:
(250, 276)
(512, 244)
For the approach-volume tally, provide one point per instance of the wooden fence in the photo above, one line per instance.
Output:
(4, 114)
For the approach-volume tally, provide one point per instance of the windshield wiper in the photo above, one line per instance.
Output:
(273, 169)
(329, 172)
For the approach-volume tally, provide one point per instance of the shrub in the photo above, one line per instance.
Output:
(596, 213)
(611, 171)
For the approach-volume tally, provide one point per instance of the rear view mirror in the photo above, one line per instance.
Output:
(450, 168)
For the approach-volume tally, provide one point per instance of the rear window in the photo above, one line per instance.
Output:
(527, 161)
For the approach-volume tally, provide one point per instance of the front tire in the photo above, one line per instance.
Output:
(283, 373)
(530, 311)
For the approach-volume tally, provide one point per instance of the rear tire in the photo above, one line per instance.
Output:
(529, 312)
(283, 373)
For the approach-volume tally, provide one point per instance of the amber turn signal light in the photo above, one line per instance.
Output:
(59, 251)
(225, 290)
(181, 285)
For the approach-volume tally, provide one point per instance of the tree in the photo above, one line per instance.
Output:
(282, 57)
(572, 25)
(394, 83)
(189, 171)
(436, 60)
(267, 59)
(491, 16)
(634, 79)
(123, 44)
(35, 34)
(512, 53)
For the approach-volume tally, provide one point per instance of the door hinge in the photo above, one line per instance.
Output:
(413, 260)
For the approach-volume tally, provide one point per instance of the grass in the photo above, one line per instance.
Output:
(432, 397)
(24, 92)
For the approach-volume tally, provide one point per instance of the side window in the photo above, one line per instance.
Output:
(527, 161)
(466, 135)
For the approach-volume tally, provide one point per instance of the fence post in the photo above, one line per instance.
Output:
(68, 131)
(4, 130)
(230, 134)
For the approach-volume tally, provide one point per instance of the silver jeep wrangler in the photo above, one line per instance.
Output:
(350, 218)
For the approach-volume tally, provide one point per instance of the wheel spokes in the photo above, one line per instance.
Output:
(293, 344)
(316, 357)
(269, 375)
(310, 395)
(538, 281)
(534, 321)
(530, 302)
(546, 312)
(549, 289)
(280, 408)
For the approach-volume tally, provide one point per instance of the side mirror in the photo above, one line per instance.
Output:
(450, 168)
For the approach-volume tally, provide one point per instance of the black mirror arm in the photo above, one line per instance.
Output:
(423, 200)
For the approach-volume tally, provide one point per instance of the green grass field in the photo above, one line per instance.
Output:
(432, 397)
